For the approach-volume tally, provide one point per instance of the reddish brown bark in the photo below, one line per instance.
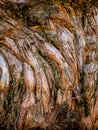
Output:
(48, 65)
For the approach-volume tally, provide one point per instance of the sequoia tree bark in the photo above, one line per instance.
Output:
(48, 65)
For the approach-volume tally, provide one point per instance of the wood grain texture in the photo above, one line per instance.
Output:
(51, 66)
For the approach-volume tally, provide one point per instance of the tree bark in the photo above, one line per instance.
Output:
(48, 65)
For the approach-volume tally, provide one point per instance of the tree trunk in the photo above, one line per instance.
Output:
(48, 65)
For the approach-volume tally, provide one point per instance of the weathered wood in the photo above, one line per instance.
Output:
(48, 65)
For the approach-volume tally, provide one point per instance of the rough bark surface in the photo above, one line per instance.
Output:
(48, 65)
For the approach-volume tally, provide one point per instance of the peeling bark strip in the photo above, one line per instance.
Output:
(48, 64)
